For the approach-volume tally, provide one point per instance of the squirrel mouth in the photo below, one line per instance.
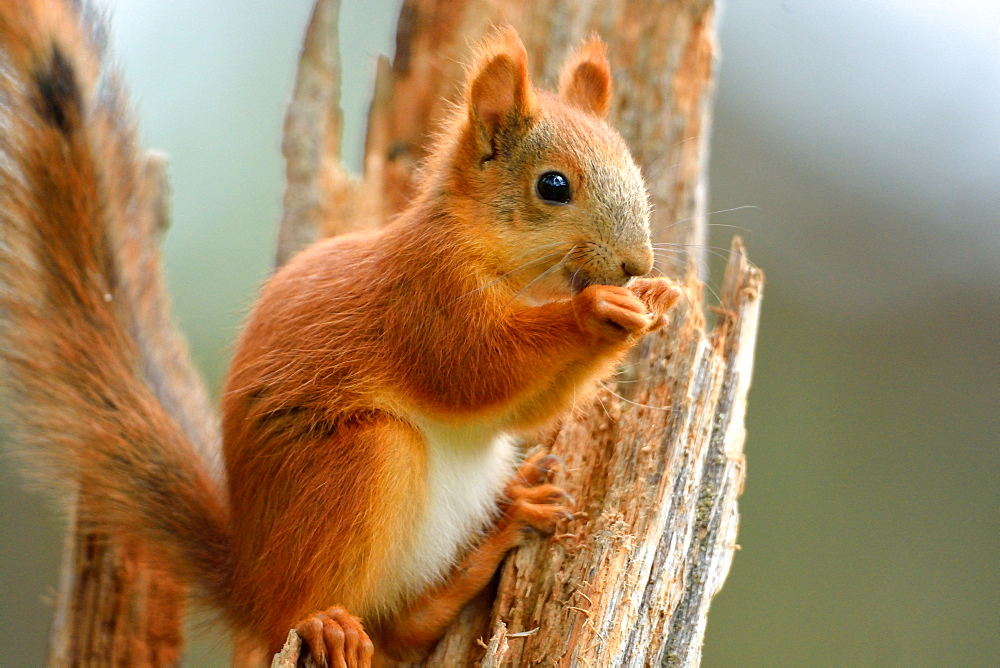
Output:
(580, 281)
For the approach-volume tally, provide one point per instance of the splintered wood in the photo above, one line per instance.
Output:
(657, 463)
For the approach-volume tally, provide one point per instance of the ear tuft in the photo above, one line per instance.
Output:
(585, 81)
(498, 89)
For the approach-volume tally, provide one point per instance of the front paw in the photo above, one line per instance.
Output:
(612, 313)
(532, 501)
(658, 294)
(335, 638)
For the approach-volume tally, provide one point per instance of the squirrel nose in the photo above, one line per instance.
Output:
(639, 265)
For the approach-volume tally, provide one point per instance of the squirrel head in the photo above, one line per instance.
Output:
(563, 204)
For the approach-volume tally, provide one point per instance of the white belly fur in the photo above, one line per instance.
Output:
(467, 468)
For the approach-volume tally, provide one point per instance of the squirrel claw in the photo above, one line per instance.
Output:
(540, 518)
(548, 461)
(336, 638)
(534, 502)
(536, 469)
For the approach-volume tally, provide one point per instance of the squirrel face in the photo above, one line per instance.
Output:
(571, 190)
(562, 202)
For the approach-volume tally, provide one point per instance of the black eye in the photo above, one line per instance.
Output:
(553, 188)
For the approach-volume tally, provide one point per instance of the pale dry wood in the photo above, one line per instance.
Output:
(657, 464)
(113, 608)
(497, 650)
(312, 135)
(288, 657)
(710, 556)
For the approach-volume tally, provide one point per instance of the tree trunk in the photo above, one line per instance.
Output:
(657, 463)
(112, 608)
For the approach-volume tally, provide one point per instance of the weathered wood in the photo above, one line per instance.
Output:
(113, 608)
(657, 463)
(315, 178)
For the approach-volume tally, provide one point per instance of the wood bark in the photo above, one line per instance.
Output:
(112, 607)
(657, 463)
(313, 126)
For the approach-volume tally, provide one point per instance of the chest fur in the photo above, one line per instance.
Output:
(466, 470)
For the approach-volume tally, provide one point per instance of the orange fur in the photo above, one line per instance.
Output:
(586, 78)
(368, 361)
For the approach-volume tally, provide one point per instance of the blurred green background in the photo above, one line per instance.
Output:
(867, 136)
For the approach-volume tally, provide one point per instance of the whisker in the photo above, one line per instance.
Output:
(603, 407)
(530, 283)
(527, 265)
(540, 276)
(707, 286)
(575, 252)
(537, 248)
(732, 227)
(675, 245)
(680, 252)
(710, 213)
(629, 401)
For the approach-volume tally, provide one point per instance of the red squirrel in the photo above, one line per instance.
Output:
(371, 415)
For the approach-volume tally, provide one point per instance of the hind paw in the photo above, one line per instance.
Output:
(336, 638)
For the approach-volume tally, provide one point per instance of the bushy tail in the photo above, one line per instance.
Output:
(97, 393)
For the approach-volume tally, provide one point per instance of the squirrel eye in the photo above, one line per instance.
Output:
(553, 187)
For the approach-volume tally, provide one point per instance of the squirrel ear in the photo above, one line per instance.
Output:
(498, 92)
(585, 81)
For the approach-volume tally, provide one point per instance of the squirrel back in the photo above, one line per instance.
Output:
(96, 390)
